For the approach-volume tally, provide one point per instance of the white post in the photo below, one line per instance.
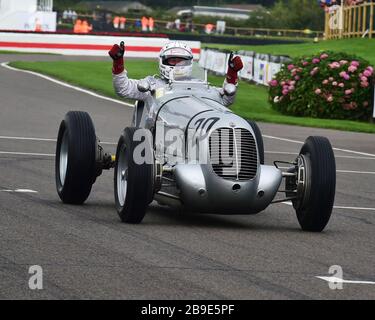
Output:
(341, 23)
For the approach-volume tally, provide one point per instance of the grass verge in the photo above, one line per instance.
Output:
(251, 100)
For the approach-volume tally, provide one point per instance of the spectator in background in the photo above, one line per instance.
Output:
(74, 16)
(98, 22)
(151, 24)
(329, 3)
(144, 24)
(122, 23)
(177, 24)
(85, 28)
(209, 28)
(77, 26)
(65, 15)
(108, 22)
(220, 26)
(108, 18)
(38, 25)
(353, 2)
(189, 25)
(138, 24)
(116, 22)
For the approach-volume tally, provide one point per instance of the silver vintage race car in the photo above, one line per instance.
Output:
(186, 149)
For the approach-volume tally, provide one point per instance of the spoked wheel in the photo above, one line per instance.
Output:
(134, 174)
(314, 183)
(75, 157)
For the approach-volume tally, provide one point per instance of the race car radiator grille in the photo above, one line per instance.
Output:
(233, 153)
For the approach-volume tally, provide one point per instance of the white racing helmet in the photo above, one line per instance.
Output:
(175, 49)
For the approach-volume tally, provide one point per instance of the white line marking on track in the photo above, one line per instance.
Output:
(282, 139)
(27, 138)
(27, 154)
(19, 190)
(5, 65)
(357, 172)
(354, 208)
(114, 143)
(336, 156)
(339, 280)
(109, 143)
(339, 207)
(337, 149)
(44, 139)
(341, 171)
(281, 152)
(354, 157)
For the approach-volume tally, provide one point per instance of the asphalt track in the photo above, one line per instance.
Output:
(85, 251)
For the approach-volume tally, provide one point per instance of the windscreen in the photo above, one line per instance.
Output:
(188, 73)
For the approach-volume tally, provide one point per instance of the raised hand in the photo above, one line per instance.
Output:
(234, 65)
(117, 54)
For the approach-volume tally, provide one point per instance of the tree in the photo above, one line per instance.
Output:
(293, 14)
(61, 5)
(299, 14)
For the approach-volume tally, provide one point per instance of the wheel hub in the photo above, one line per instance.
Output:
(122, 177)
(63, 161)
(303, 181)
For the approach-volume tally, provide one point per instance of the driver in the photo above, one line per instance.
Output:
(176, 57)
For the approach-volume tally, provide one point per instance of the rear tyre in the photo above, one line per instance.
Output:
(259, 138)
(316, 193)
(75, 157)
(134, 179)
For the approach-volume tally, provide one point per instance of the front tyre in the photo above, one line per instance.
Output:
(316, 184)
(75, 157)
(134, 174)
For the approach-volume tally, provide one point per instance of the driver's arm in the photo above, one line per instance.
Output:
(127, 88)
(227, 100)
(124, 87)
(234, 66)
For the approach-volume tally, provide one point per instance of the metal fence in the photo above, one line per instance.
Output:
(196, 28)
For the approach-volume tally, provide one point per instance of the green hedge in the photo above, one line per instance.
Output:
(326, 85)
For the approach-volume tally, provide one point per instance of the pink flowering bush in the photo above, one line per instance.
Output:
(327, 85)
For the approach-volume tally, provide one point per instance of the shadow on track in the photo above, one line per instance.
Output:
(165, 216)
